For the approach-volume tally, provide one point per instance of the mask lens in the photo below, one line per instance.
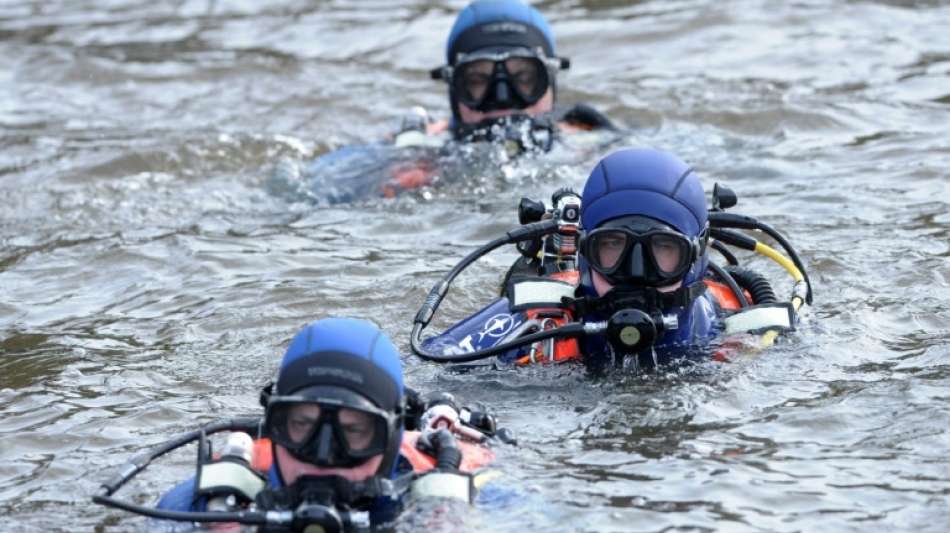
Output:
(669, 253)
(528, 77)
(473, 79)
(294, 424)
(608, 248)
(360, 429)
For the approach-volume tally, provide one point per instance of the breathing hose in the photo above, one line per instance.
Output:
(758, 286)
(719, 221)
(139, 462)
(438, 292)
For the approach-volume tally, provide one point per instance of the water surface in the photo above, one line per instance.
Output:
(149, 280)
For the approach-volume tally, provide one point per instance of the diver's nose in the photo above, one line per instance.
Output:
(637, 270)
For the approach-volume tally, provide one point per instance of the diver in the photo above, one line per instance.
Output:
(341, 444)
(501, 73)
(621, 274)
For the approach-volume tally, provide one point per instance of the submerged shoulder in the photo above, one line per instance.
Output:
(181, 498)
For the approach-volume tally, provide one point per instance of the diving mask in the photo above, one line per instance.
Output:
(490, 80)
(639, 250)
(329, 426)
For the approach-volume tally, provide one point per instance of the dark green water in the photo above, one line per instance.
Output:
(150, 281)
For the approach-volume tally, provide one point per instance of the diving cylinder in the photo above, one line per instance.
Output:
(238, 448)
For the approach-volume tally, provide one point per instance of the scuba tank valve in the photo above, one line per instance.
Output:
(236, 457)
(561, 246)
(558, 251)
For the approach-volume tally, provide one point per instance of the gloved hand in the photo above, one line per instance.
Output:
(442, 445)
(445, 480)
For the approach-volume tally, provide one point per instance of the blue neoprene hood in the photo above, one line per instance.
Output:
(645, 182)
(488, 11)
(356, 338)
(650, 183)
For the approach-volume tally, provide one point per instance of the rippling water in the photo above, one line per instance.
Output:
(150, 281)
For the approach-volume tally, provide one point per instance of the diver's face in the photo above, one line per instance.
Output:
(602, 286)
(291, 468)
(471, 116)
(301, 419)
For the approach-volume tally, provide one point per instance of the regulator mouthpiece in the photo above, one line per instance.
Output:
(315, 518)
(630, 331)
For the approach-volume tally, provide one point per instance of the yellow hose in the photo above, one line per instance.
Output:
(768, 338)
(774, 255)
